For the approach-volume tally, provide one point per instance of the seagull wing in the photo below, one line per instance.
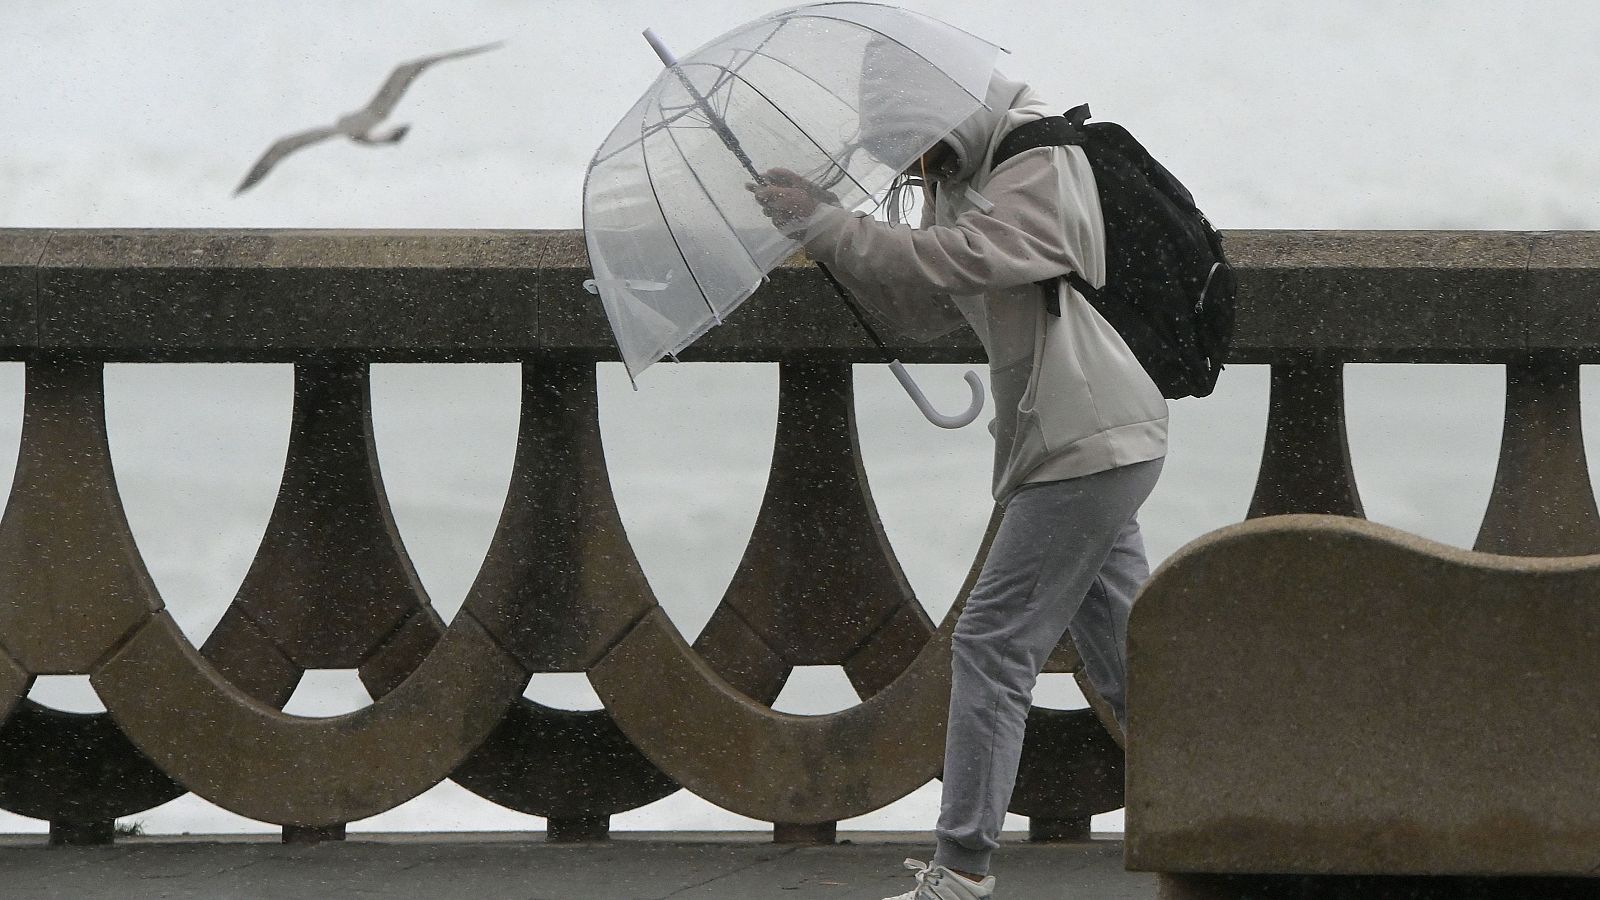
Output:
(389, 95)
(279, 150)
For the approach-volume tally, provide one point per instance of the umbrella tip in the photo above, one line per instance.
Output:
(660, 47)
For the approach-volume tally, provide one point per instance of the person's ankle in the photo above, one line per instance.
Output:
(975, 879)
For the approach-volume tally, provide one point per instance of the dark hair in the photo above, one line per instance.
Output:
(897, 201)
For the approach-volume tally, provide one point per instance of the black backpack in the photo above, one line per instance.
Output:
(1169, 289)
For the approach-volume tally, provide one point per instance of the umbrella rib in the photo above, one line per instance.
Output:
(809, 10)
(610, 318)
(644, 153)
(843, 168)
(644, 134)
(649, 130)
(803, 74)
(733, 146)
(699, 182)
(732, 71)
(910, 49)
(803, 133)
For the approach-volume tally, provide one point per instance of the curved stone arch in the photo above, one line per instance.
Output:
(75, 598)
(14, 684)
(248, 757)
(747, 758)
(72, 585)
(1071, 769)
(702, 714)
(332, 587)
(69, 767)
(262, 645)
(559, 585)
(819, 583)
(75, 769)
(743, 756)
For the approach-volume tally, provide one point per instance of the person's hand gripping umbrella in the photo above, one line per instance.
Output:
(673, 237)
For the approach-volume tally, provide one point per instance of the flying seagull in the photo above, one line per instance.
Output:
(358, 126)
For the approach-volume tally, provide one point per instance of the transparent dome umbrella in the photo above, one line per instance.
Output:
(848, 95)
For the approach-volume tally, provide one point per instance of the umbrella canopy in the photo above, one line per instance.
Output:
(846, 94)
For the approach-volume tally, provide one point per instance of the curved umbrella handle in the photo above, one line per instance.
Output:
(933, 415)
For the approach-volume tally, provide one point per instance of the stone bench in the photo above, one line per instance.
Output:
(1324, 696)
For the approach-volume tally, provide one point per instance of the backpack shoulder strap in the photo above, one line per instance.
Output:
(1052, 131)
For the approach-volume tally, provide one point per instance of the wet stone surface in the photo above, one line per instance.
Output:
(463, 295)
(629, 867)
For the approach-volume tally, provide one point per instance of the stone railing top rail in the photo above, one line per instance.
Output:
(236, 295)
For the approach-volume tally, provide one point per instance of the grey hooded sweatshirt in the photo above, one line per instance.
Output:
(1070, 398)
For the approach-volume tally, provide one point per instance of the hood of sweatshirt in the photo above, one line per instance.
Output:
(1008, 104)
(906, 106)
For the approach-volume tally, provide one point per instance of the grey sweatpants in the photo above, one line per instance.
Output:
(1068, 555)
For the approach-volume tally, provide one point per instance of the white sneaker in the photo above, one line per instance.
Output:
(939, 883)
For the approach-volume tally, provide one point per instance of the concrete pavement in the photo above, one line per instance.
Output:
(632, 866)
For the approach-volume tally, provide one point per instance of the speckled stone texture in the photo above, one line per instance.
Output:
(175, 294)
(1313, 694)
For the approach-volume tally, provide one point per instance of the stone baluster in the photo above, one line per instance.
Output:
(818, 584)
(1543, 503)
(71, 585)
(330, 582)
(1305, 464)
(556, 585)
(559, 585)
(330, 587)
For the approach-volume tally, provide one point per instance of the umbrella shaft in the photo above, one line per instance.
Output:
(855, 309)
(719, 126)
(716, 121)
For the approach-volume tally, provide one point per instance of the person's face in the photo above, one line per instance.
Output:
(937, 163)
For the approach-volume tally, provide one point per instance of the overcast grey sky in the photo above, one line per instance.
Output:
(1362, 113)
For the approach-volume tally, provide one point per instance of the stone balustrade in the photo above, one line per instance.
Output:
(560, 590)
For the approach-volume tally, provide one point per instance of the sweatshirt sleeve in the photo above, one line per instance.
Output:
(1033, 233)
(914, 311)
